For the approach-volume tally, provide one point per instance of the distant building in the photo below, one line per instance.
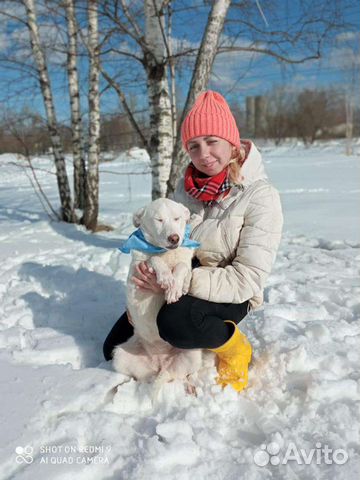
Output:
(256, 116)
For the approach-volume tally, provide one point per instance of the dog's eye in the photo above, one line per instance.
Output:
(159, 220)
(177, 219)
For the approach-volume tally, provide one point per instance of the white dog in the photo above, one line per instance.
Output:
(160, 241)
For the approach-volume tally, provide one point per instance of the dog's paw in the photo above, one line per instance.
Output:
(165, 279)
(173, 293)
(190, 389)
(186, 285)
(185, 289)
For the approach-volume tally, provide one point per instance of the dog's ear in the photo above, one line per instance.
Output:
(137, 216)
(186, 213)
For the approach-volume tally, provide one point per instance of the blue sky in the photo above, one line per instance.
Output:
(236, 75)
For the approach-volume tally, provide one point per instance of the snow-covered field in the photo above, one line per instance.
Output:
(61, 289)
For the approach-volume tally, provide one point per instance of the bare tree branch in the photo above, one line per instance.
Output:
(122, 52)
(269, 52)
(125, 105)
(139, 39)
(131, 20)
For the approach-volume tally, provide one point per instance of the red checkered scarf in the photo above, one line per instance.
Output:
(206, 189)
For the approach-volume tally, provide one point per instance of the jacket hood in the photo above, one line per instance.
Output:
(253, 168)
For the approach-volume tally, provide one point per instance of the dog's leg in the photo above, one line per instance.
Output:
(164, 275)
(182, 276)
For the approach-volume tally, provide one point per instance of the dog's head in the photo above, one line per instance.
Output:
(163, 222)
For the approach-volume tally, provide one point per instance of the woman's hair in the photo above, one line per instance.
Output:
(237, 159)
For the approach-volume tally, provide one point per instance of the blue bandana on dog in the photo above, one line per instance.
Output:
(137, 241)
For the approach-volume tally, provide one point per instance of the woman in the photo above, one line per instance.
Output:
(237, 218)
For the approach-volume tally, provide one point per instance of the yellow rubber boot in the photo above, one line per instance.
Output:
(233, 360)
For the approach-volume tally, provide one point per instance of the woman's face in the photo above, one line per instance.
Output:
(210, 154)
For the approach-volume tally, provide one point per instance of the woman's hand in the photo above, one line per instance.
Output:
(145, 278)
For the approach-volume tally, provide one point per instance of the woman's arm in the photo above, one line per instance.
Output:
(255, 255)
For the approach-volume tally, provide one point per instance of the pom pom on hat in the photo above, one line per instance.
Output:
(210, 115)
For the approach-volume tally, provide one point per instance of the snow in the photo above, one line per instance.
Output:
(66, 414)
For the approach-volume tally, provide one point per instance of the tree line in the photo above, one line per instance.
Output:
(308, 115)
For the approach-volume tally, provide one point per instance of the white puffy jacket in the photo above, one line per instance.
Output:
(239, 237)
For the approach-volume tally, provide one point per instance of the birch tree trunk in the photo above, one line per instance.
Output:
(76, 128)
(92, 184)
(161, 136)
(200, 78)
(172, 75)
(67, 213)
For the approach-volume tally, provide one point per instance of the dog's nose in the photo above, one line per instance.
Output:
(174, 239)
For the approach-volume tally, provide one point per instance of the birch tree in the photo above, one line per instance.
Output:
(76, 126)
(152, 42)
(200, 79)
(172, 74)
(161, 134)
(92, 178)
(67, 213)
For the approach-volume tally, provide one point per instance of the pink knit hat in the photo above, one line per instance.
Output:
(210, 115)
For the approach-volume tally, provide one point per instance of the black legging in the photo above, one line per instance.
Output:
(188, 323)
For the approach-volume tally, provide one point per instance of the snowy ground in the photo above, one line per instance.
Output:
(61, 289)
